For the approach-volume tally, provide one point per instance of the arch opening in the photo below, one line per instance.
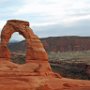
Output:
(16, 37)
(17, 47)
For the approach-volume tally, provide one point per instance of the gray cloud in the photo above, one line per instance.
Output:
(81, 28)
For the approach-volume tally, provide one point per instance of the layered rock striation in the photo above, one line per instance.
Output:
(36, 73)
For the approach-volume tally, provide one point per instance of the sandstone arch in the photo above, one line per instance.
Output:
(34, 49)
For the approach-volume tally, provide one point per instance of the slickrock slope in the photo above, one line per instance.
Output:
(36, 74)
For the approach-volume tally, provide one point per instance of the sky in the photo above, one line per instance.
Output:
(49, 17)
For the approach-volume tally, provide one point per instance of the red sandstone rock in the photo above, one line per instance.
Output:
(36, 74)
(35, 48)
(69, 43)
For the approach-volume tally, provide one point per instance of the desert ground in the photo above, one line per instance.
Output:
(74, 64)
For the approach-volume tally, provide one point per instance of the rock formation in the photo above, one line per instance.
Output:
(68, 43)
(36, 73)
(35, 50)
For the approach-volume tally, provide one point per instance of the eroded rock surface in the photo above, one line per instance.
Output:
(36, 74)
(35, 50)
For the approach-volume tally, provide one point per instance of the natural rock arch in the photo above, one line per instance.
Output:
(34, 47)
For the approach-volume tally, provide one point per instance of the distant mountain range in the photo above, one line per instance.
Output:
(62, 44)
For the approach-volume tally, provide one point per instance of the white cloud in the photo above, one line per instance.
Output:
(56, 11)
(46, 12)
(74, 19)
(42, 24)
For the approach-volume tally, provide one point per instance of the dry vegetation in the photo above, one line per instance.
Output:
(78, 56)
(71, 64)
(68, 64)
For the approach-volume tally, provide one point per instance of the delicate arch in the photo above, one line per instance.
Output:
(35, 50)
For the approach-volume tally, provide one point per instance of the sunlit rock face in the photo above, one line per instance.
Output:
(36, 73)
(35, 50)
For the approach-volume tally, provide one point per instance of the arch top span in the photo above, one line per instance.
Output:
(20, 21)
(34, 48)
(26, 23)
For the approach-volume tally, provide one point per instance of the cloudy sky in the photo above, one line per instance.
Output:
(49, 17)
